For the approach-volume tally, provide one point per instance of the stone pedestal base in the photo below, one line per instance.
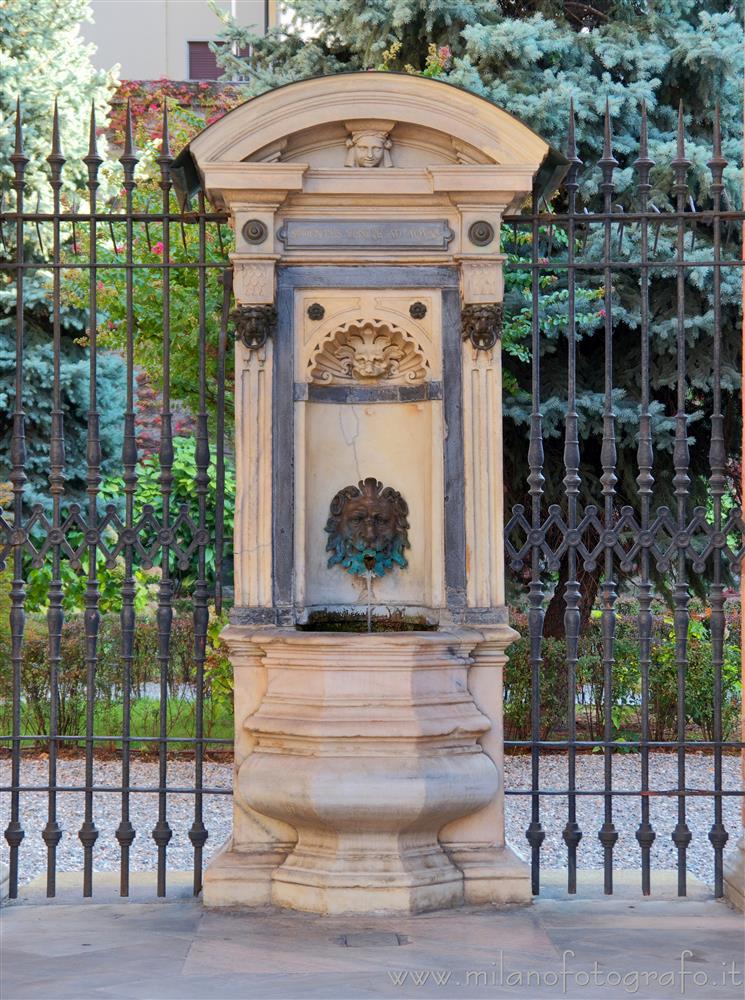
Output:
(369, 881)
(368, 749)
(367, 745)
(491, 875)
(241, 878)
(734, 875)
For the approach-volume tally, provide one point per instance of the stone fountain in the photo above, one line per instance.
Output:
(369, 630)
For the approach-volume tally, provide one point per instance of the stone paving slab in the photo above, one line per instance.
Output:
(611, 947)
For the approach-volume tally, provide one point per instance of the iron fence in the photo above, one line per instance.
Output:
(640, 543)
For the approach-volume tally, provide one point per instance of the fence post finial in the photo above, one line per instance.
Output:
(165, 149)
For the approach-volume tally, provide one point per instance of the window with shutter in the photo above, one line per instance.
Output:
(203, 62)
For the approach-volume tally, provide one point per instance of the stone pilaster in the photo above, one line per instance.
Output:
(482, 434)
(253, 445)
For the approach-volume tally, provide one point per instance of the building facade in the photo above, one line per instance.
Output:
(156, 39)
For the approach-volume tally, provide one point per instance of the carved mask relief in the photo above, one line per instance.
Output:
(368, 529)
(368, 352)
(368, 144)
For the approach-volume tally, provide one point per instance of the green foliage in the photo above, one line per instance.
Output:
(183, 500)
(699, 680)
(148, 249)
(191, 104)
(110, 580)
(44, 57)
(35, 680)
(74, 391)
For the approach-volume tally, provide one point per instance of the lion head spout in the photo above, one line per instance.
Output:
(368, 529)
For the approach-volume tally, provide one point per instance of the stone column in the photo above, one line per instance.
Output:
(734, 860)
(482, 445)
(476, 844)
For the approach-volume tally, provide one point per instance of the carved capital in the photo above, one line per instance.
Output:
(254, 325)
(253, 280)
(482, 324)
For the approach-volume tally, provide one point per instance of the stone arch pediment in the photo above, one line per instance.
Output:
(462, 127)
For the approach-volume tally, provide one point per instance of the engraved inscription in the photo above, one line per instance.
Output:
(308, 234)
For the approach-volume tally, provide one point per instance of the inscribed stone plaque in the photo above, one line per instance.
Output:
(322, 234)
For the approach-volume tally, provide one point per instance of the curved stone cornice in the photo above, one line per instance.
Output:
(414, 100)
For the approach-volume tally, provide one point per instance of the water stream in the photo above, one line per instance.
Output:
(368, 580)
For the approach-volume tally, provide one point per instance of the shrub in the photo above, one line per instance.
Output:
(626, 679)
(108, 679)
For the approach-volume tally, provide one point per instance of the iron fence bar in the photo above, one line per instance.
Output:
(596, 792)
(693, 745)
(681, 835)
(227, 289)
(608, 835)
(119, 739)
(118, 789)
(52, 834)
(198, 831)
(671, 793)
(718, 835)
(75, 216)
(88, 833)
(645, 834)
(696, 538)
(14, 833)
(572, 482)
(553, 265)
(125, 833)
(536, 613)
(652, 214)
(162, 832)
(121, 266)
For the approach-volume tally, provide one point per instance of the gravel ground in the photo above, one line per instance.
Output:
(217, 811)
